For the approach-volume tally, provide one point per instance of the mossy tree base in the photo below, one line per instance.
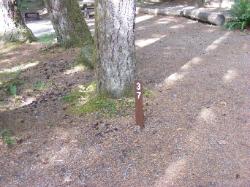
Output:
(85, 101)
(70, 27)
(13, 27)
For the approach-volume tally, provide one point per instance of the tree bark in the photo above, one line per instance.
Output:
(71, 28)
(115, 46)
(68, 22)
(12, 25)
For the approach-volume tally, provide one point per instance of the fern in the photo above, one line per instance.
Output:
(241, 15)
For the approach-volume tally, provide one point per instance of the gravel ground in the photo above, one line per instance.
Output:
(197, 119)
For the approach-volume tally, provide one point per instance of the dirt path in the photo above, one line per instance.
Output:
(203, 96)
(198, 119)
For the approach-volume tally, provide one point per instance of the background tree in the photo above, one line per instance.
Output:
(200, 3)
(70, 27)
(12, 25)
(115, 46)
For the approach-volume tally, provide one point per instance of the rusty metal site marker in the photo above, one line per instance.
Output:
(139, 114)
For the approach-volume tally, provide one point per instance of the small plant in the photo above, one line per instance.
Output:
(10, 82)
(12, 86)
(39, 85)
(73, 96)
(12, 89)
(147, 93)
(7, 137)
(241, 15)
(47, 38)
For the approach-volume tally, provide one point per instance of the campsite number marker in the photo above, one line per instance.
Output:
(139, 115)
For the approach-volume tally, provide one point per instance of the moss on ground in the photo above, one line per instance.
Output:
(47, 38)
(7, 137)
(84, 100)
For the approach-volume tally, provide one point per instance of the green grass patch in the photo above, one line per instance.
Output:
(147, 93)
(10, 82)
(107, 106)
(7, 137)
(39, 85)
(12, 89)
(47, 38)
(240, 12)
(85, 101)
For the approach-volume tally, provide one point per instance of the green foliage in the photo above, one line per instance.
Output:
(241, 15)
(12, 86)
(10, 82)
(101, 104)
(140, 1)
(82, 93)
(84, 101)
(7, 138)
(30, 5)
(47, 38)
(107, 106)
(72, 97)
(86, 56)
(147, 93)
(39, 85)
(12, 89)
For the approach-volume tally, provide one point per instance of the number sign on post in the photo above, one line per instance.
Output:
(139, 114)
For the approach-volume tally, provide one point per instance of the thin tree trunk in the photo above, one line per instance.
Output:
(70, 27)
(115, 46)
(12, 25)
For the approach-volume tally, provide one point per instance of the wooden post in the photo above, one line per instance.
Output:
(139, 114)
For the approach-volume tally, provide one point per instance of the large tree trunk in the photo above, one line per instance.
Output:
(12, 25)
(70, 27)
(115, 46)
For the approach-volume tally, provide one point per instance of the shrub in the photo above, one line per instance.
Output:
(7, 138)
(241, 15)
(10, 82)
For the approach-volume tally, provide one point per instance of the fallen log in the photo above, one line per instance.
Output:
(201, 15)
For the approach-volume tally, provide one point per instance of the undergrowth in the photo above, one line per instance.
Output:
(39, 85)
(48, 39)
(7, 137)
(241, 15)
(10, 82)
